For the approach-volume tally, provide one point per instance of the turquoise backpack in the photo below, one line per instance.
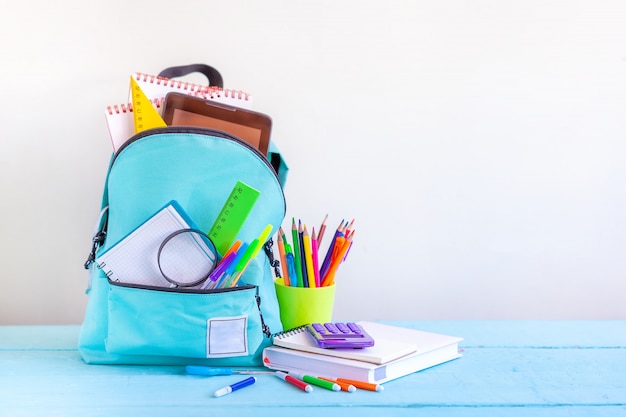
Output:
(197, 167)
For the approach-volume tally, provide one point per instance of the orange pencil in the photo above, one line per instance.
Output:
(283, 256)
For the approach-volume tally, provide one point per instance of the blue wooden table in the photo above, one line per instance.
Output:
(509, 368)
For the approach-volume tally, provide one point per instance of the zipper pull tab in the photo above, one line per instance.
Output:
(96, 242)
(266, 329)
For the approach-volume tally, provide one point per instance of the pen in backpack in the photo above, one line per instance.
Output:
(228, 274)
(242, 264)
(256, 245)
(218, 272)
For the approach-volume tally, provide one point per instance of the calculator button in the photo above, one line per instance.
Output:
(343, 328)
(355, 328)
(319, 328)
(331, 328)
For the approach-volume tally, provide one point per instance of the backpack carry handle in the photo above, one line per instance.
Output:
(213, 75)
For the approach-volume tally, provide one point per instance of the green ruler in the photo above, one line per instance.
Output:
(232, 216)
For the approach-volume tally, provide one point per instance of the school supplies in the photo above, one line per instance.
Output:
(214, 371)
(232, 216)
(302, 305)
(155, 86)
(138, 324)
(309, 269)
(329, 385)
(432, 349)
(135, 258)
(339, 335)
(252, 127)
(234, 387)
(145, 115)
(383, 351)
(360, 384)
(294, 381)
(120, 118)
(345, 386)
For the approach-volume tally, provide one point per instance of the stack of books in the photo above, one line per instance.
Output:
(397, 352)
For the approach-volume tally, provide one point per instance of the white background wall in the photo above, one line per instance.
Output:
(478, 144)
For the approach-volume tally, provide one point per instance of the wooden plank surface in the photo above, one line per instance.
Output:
(517, 368)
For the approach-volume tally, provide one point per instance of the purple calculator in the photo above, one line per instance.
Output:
(339, 335)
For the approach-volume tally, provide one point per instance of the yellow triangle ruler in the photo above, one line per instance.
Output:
(145, 115)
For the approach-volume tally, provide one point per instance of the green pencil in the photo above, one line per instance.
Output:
(296, 252)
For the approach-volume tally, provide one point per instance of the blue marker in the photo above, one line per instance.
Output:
(237, 385)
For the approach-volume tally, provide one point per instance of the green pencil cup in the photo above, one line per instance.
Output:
(300, 306)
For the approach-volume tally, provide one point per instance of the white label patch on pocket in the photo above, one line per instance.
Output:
(226, 336)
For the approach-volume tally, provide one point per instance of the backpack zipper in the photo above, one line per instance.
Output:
(194, 130)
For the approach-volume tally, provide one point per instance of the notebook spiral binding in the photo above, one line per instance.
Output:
(206, 92)
(128, 108)
(289, 332)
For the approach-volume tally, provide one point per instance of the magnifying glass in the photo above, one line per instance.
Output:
(186, 258)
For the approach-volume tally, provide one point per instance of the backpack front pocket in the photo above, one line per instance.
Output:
(185, 323)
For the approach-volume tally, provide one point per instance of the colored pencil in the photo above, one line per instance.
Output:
(305, 276)
(283, 255)
(308, 254)
(296, 252)
(320, 235)
(315, 257)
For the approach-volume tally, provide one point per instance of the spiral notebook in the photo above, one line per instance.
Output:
(120, 120)
(383, 351)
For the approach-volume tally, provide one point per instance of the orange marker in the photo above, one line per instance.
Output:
(345, 386)
(361, 384)
(329, 278)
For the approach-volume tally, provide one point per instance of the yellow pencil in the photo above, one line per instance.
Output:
(308, 256)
